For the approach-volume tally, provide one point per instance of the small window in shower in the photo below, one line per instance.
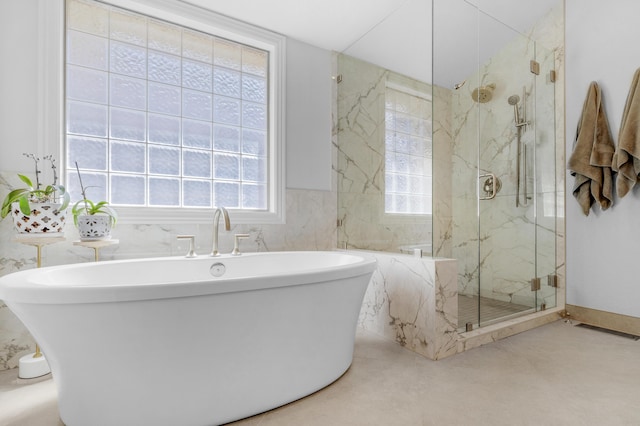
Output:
(408, 151)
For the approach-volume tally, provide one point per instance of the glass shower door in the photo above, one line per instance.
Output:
(545, 178)
(506, 177)
(502, 149)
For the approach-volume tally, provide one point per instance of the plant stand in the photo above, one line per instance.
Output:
(35, 365)
(96, 246)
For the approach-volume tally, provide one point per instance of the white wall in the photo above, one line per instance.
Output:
(18, 83)
(603, 249)
(308, 116)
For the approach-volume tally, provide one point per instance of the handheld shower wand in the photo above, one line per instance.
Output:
(514, 100)
(521, 163)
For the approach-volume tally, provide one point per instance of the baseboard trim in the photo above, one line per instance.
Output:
(603, 319)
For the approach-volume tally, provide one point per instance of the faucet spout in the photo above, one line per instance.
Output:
(216, 220)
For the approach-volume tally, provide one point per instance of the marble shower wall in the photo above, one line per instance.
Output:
(514, 244)
(310, 226)
(361, 163)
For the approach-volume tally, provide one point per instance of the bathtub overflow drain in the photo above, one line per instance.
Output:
(217, 269)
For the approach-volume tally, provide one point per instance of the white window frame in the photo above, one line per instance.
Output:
(51, 54)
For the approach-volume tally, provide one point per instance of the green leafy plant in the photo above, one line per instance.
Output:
(86, 207)
(36, 193)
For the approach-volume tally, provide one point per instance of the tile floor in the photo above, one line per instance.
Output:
(558, 374)
(490, 310)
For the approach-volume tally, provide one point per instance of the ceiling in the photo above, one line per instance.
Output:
(394, 34)
(329, 24)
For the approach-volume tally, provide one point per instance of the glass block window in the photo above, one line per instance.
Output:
(159, 115)
(408, 153)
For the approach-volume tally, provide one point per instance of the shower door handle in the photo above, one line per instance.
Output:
(491, 186)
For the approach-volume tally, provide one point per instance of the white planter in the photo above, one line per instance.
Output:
(94, 227)
(45, 219)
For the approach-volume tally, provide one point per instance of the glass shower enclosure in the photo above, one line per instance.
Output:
(502, 144)
(466, 157)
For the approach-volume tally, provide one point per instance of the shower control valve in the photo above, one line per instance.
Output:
(491, 186)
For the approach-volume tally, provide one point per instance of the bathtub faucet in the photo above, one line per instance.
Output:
(227, 226)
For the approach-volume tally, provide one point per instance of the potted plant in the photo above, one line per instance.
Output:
(94, 220)
(37, 209)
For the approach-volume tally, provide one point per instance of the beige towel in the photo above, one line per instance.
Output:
(592, 154)
(626, 161)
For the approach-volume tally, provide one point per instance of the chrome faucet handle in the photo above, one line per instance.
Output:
(192, 244)
(236, 244)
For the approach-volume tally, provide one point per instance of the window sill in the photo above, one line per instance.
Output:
(150, 215)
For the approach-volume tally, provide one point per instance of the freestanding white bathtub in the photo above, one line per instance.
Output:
(165, 342)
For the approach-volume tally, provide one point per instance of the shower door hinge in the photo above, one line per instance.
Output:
(552, 76)
(535, 284)
(339, 78)
(534, 67)
(339, 223)
(552, 280)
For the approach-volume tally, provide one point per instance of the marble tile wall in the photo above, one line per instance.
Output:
(360, 161)
(310, 226)
(413, 301)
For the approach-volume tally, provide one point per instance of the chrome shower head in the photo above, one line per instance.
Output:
(514, 100)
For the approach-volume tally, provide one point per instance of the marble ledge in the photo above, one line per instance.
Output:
(414, 302)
